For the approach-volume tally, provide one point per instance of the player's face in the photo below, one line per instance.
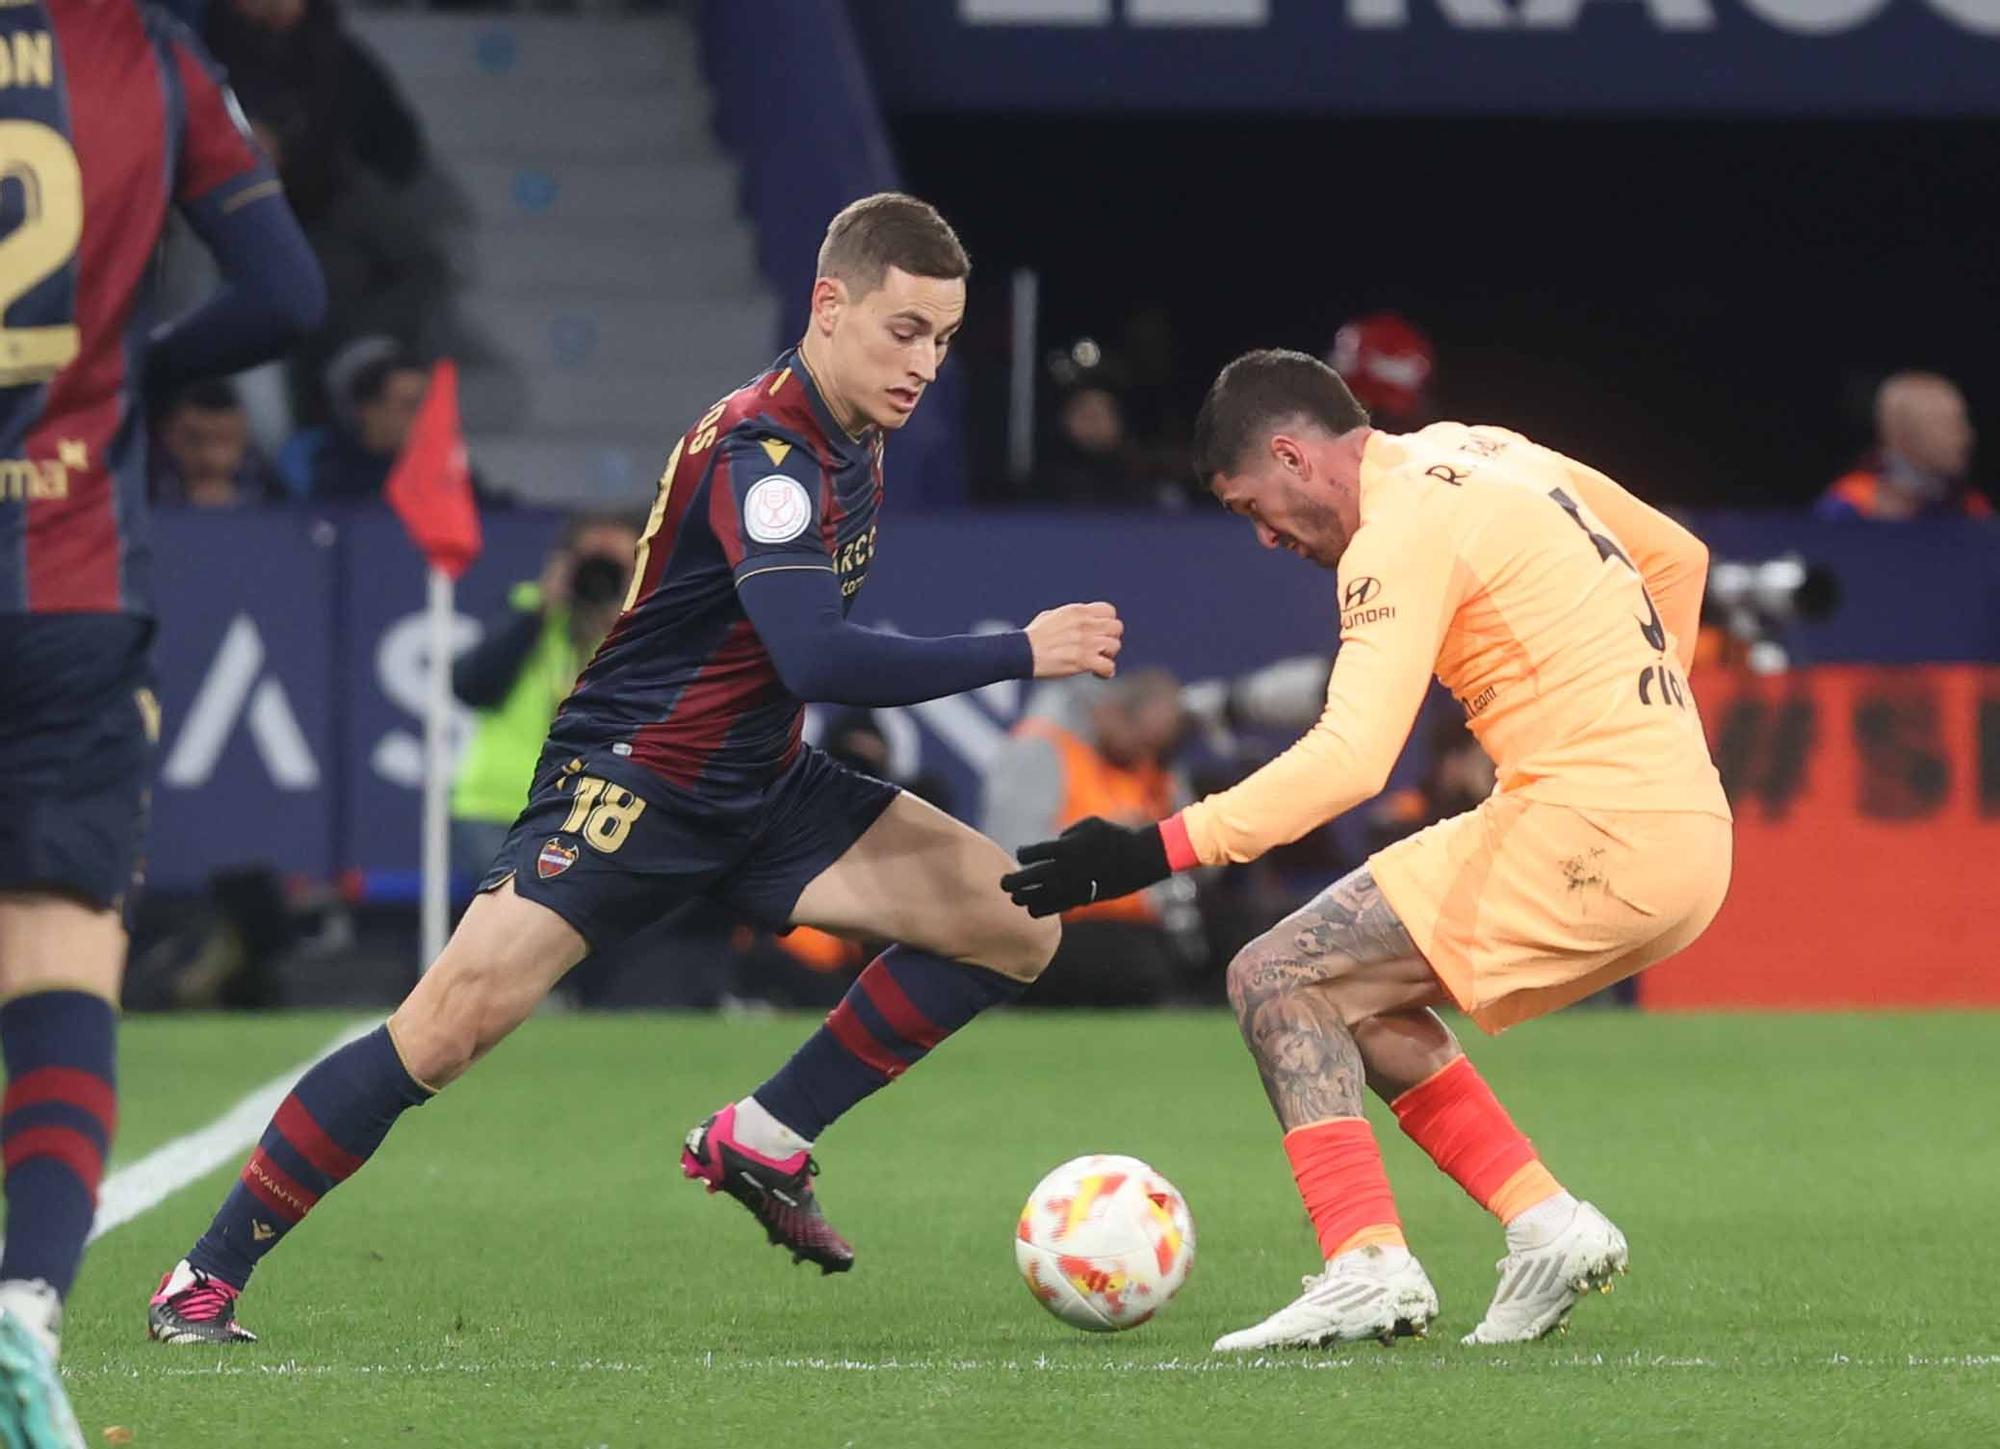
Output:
(887, 347)
(1287, 501)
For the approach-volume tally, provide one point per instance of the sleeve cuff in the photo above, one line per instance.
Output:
(1180, 848)
(1023, 655)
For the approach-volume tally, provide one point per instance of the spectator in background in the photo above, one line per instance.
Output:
(1923, 451)
(523, 669)
(337, 109)
(375, 388)
(1107, 748)
(203, 455)
(1093, 457)
(1388, 364)
(350, 154)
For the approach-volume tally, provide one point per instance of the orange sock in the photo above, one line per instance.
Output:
(1454, 1116)
(1338, 1168)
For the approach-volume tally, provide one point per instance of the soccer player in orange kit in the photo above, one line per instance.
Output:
(1562, 612)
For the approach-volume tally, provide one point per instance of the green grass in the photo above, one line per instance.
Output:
(1811, 1205)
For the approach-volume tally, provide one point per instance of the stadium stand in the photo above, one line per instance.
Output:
(603, 260)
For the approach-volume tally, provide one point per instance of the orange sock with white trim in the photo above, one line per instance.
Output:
(1454, 1116)
(1339, 1171)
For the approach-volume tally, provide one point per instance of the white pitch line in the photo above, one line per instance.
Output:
(1398, 1362)
(139, 1187)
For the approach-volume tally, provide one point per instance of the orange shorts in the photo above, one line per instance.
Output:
(1522, 907)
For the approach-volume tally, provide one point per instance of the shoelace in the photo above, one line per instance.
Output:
(206, 1301)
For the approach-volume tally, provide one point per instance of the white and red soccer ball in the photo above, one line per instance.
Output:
(1104, 1242)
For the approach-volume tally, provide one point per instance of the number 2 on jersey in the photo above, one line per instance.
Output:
(1650, 626)
(42, 164)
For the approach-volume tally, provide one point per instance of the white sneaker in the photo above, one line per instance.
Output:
(1378, 1293)
(1541, 1280)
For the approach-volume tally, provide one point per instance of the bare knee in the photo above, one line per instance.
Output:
(1017, 944)
(1270, 967)
(1255, 973)
(458, 1013)
(55, 942)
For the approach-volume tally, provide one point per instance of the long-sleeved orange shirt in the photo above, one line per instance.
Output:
(1558, 608)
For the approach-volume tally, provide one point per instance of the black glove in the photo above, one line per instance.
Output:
(1093, 860)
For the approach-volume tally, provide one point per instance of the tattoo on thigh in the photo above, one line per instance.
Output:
(1304, 1048)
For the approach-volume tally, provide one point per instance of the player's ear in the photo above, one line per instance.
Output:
(829, 296)
(1289, 454)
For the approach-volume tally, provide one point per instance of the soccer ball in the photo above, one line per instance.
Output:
(1104, 1242)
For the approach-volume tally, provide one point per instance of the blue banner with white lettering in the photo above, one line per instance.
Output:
(1438, 57)
(292, 649)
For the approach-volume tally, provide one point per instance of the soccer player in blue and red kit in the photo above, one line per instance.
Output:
(109, 115)
(676, 769)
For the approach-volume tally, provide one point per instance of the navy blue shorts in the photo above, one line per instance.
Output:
(78, 725)
(611, 848)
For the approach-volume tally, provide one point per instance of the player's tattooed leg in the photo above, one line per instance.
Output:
(1305, 1054)
(1298, 989)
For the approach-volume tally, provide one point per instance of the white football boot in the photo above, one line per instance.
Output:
(1552, 1260)
(1378, 1293)
(34, 1411)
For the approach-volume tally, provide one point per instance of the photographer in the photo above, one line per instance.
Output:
(523, 670)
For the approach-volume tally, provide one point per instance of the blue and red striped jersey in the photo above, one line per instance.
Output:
(109, 114)
(682, 686)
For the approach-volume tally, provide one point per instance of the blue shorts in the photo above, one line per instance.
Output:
(78, 725)
(611, 848)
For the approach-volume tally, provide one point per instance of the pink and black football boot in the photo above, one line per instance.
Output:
(193, 1307)
(778, 1191)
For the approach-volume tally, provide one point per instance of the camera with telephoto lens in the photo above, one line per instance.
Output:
(597, 581)
(1755, 601)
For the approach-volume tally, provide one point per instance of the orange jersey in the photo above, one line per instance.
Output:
(1559, 609)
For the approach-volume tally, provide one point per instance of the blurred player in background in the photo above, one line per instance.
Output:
(109, 115)
(677, 769)
(1561, 611)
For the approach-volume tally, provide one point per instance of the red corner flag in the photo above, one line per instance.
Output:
(431, 485)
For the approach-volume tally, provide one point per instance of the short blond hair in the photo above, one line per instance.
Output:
(887, 230)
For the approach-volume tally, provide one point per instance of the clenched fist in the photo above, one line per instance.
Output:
(1076, 639)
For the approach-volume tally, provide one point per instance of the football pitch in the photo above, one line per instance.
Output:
(1812, 1204)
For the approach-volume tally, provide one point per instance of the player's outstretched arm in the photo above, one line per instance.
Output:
(1378, 683)
(822, 657)
(765, 507)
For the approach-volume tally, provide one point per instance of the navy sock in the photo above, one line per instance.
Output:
(901, 1006)
(331, 1123)
(55, 1127)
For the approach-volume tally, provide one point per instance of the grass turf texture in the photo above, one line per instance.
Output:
(1810, 1203)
